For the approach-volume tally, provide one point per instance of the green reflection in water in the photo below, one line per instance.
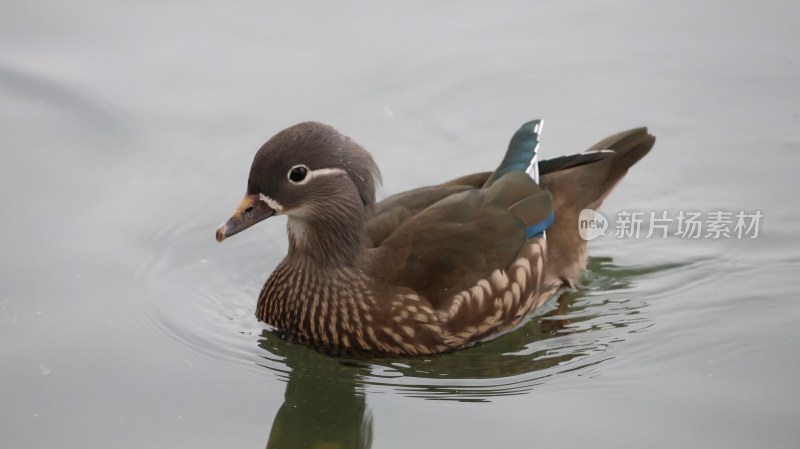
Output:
(324, 405)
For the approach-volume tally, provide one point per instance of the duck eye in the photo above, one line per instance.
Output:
(298, 173)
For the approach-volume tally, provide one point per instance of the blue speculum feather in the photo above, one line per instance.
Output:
(536, 230)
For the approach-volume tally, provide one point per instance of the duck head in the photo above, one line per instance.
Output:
(311, 173)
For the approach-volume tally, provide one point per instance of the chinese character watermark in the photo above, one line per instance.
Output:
(714, 224)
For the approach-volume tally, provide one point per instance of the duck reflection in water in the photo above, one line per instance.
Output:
(325, 403)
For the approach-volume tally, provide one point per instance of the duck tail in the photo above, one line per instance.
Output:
(583, 181)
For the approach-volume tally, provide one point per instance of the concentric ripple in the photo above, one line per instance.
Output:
(202, 297)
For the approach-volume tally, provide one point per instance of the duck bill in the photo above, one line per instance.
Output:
(249, 212)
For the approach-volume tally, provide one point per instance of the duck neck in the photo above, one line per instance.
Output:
(329, 239)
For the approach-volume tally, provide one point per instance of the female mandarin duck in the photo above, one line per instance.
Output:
(429, 270)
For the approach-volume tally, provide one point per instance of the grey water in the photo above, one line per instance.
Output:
(126, 134)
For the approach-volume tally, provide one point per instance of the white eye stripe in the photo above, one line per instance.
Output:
(327, 172)
(311, 174)
(276, 206)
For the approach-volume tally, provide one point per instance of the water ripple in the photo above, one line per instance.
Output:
(202, 298)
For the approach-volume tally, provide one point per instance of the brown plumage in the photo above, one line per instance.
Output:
(424, 271)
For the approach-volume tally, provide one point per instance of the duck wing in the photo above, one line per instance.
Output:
(443, 239)
(393, 211)
(462, 238)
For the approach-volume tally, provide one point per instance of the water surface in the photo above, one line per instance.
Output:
(127, 131)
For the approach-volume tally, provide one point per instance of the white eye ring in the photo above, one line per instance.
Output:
(300, 171)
